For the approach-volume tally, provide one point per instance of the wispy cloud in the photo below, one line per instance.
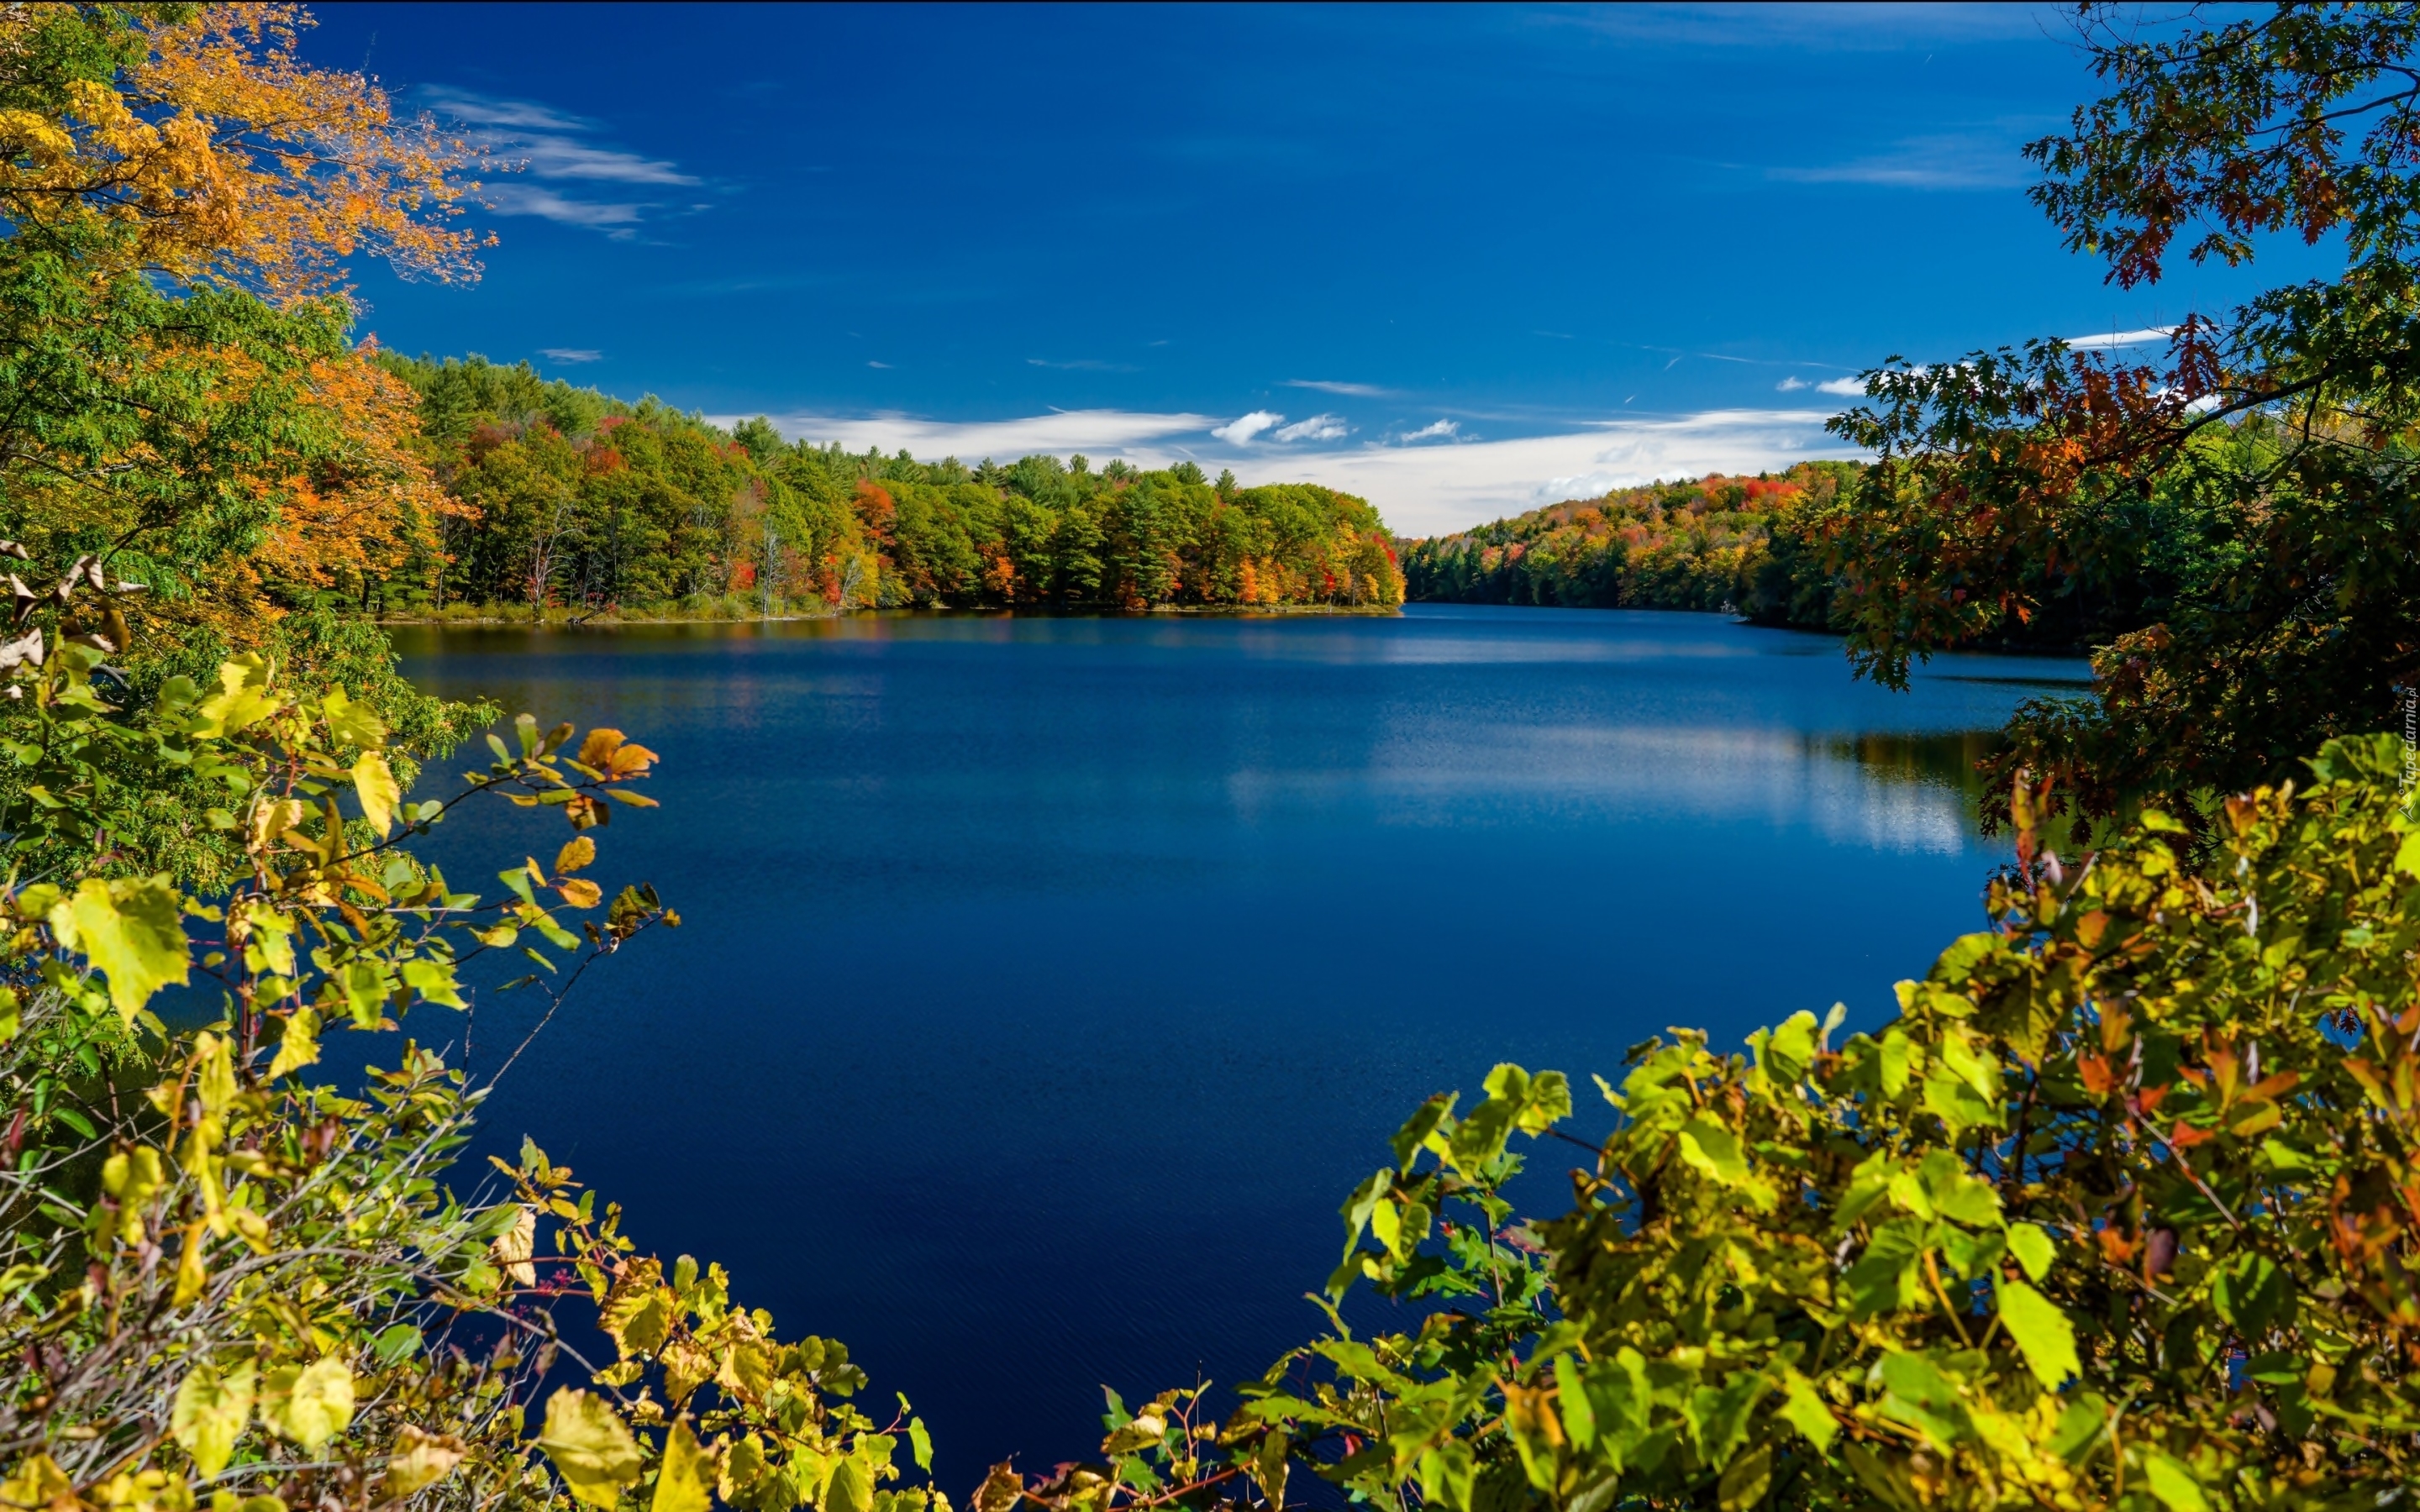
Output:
(1898, 27)
(2121, 338)
(1790, 384)
(1317, 428)
(1842, 385)
(1976, 160)
(1422, 490)
(538, 200)
(1084, 365)
(572, 354)
(551, 145)
(1240, 430)
(878, 365)
(1099, 433)
(1435, 430)
(1351, 390)
(1425, 490)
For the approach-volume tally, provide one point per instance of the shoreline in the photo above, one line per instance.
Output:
(490, 621)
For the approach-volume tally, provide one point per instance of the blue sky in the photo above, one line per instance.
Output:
(1459, 260)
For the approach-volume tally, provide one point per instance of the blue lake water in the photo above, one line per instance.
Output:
(1046, 983)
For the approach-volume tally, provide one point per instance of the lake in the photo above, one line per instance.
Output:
(1046, 983)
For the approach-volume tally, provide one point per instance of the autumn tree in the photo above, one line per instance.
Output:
(180, 192)
(2247, 502)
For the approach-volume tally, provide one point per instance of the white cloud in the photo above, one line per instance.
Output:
(877, 364)
(559, 158)
(535, 199)
(1317, 428)
(2121, 338)
(1425, 490)
(1351, 391)
(1083, 364)
(546, 143)
(1241, 429)
(571, 354)
(479, 110)
(1437, 430)
(1422, 490)
(1986, 160)
(1853, 387)
(1790, 384)
(1094, 432)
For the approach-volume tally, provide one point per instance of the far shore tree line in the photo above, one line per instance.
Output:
(560, 497)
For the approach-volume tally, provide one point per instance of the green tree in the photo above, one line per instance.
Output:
(2244, 510)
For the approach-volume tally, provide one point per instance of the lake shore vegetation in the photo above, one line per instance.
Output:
(1723, 545)
(562, 497)
(2122, 1210)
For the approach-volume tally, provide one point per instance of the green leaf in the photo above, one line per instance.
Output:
(1445, 1473)
(434, 982)
(1713, 1150)
(2250, 1291)
(309, 1404)
(1745, 1480)
(1803, 1410)
(2042, 1333)
(592, 1449)
(209, 1414)
(132, 932)
(2407, 856)
(2034, 1249)
(680, 1482)
(851, 1489)
(2173, 1484)
(351, 724)
(1898, 1058)
(919, 1443)
(1579, 1416)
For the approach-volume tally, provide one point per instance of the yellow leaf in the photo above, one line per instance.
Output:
(213, 1072)
(209, 1414)
(298, 1043)
(579, 892)
(576, 852)
(351, 724)
(192, 1274)
(515, 1246)
(590, 1446)
(680, 1484)
(132, 933)
(420, 1460)
(243, 699)
(271, 818)
(37, 1481)
(309, 1404)
(373, 785)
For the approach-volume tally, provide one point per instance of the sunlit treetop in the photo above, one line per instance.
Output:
(219, 155)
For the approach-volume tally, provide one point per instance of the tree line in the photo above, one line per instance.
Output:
(561, 496)
(1717, 543)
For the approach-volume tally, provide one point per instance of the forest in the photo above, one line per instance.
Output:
(2120, 1211)
(1733, 545)
(559, 497)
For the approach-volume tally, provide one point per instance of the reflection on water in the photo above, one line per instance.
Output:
(1047, 981)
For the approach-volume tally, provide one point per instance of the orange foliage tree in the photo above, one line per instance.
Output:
(180, 192)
